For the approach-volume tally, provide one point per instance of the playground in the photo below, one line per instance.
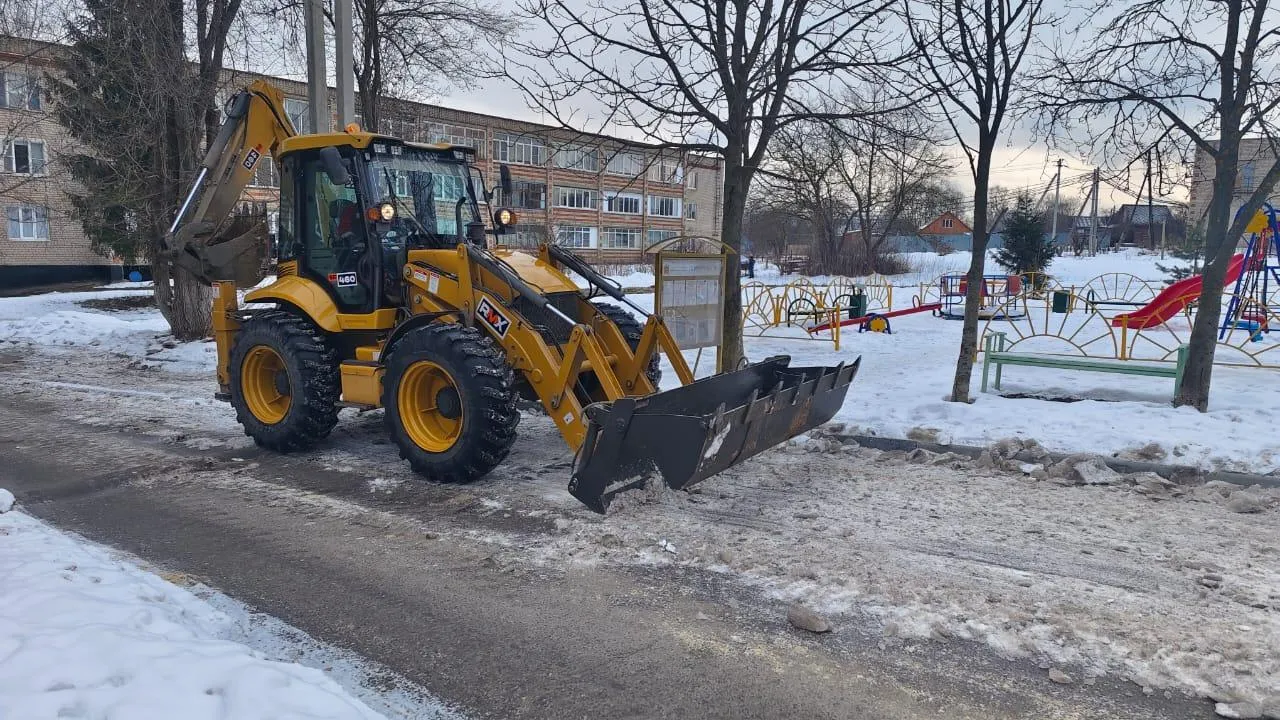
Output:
(1113, 312)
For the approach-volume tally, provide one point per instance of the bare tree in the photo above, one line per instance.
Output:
(407, 48)
(972, 53)
(890, 159)
(714, 76)
(770, 229)
(852, 180)
(1166, 80)
(926, 201)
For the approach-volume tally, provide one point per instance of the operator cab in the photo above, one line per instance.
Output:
(349, 215)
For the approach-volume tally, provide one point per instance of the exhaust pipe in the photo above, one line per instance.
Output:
(690, 433)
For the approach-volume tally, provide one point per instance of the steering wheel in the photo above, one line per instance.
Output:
(352, 249)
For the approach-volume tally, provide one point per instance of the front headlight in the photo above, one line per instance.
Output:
(504, 217)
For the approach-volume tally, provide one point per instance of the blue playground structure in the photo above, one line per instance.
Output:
(1248, 308)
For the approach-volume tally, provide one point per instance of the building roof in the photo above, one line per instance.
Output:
(1140, 214)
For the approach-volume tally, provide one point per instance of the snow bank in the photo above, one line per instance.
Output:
(85, 635)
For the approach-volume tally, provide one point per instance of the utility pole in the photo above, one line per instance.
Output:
(1151, 195)
(1093, 216)
(317, 74)
(1057, 195)
(344, 68)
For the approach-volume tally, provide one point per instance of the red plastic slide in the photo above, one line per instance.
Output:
(859, 320)
(1173, 299)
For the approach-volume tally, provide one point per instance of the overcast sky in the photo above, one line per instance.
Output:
(1021, 163)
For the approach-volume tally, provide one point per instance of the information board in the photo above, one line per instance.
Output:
(690, 298)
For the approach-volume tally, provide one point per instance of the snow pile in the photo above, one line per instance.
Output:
(55, 319)
(85, 635)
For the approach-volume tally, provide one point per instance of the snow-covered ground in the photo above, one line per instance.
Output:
(86, 633)
(1173, 587)
(899, 392)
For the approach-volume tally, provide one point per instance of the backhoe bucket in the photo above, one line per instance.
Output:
(688, 434)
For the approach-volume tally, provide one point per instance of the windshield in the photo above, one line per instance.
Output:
(426, 184)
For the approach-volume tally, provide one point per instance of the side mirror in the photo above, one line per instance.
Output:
(333, 166)
(504, 181)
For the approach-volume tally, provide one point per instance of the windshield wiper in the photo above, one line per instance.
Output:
(399, 205)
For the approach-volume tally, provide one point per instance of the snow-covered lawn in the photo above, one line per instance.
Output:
(85, 634)
(899, 392)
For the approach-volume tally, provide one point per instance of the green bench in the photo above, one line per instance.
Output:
(995, 354)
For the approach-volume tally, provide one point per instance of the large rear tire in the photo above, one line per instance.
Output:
(284, 381)
(450, 402)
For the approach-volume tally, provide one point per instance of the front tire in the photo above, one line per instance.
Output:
(284, 381)
(450, 402)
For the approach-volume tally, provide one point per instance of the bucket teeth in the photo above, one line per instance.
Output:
(690, 433)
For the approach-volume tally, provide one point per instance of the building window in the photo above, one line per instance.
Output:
(691, 180)
(404, 127)
(628, 164)
(519, 149)
(576, 236)
(525, 236)
(657, 236)
(571, 197)
(620, 238)
(666, 170)
(1247, 176)
(691, 211)
(619, 203)
(27, 222)
(660, 206)
(528, 195)
(456, 135)
(578, 157)
(297, 110)
(948, 223)
(265, 174)
(24, 157)
(19, 91)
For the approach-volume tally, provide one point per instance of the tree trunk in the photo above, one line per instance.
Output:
(1198, 374)
(737, 181)
(977, 265)
(185, 301)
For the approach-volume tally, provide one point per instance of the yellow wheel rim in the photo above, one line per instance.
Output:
(265, 384)
(430, 406)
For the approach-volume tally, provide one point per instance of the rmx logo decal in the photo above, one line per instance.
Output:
(493, 317)
(251, 158)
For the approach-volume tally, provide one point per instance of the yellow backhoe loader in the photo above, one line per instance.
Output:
(388, 296)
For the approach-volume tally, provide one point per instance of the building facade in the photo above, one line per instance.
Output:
(41, 240)
(605, 197)
(1256, 158)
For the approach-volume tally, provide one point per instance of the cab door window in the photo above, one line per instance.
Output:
(335, 234)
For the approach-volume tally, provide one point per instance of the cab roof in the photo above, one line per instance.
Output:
(360, 140)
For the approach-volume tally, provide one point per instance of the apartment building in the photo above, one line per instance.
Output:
(1256, 158)
(606, 197)
(41, 240)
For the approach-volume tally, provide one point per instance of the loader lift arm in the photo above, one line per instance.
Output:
(255, 126)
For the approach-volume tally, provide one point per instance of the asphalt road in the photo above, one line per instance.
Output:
(410, 581)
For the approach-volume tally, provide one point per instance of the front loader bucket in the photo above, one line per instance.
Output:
(688, 434)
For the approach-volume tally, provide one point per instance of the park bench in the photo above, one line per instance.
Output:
(994, 353)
